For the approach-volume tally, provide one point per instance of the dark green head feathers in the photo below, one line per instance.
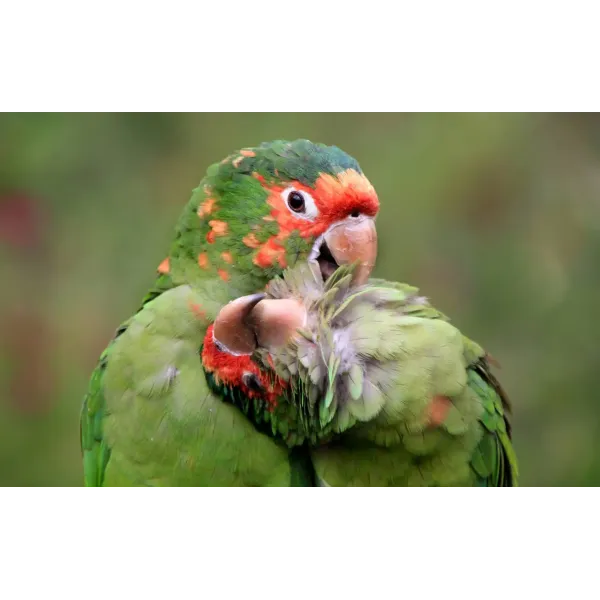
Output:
(301, 161)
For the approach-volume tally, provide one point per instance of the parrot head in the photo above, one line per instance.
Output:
(266, 208)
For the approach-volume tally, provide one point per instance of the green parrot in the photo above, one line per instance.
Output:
(384, 388)
(175, 399)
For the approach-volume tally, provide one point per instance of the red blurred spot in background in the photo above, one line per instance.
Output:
(21, 220)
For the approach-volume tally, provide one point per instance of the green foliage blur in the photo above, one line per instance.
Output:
(495, 217)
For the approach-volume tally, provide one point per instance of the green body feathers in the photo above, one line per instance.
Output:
(151, 418)
(364, 372)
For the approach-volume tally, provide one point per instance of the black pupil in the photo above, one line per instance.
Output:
(296, 201)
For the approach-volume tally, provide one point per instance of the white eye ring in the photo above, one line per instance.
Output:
(310, 211)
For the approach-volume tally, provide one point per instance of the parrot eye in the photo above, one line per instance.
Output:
(296, 202)
(301, 204)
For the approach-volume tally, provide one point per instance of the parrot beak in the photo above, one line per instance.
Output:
(275, 321)
(251, 321)
(353, 240)
(231, 332)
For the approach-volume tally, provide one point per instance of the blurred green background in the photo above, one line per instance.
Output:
(496, 217)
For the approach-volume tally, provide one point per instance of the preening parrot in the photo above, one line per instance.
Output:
(176, 399)
(384, 388)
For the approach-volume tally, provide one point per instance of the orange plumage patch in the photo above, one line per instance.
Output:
(164, 266)
(219, 228)
(207, 207)
(251, 241)
(229, 370)
(203, 260)
(226, 256)
(270, 252)
(247, 153)
(224, 275)
(437, 411)
(197, 310)
(355, 187)
(210, 237)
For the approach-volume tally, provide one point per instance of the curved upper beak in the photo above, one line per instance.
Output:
(354, 240)
(231, 330)
(252, 321)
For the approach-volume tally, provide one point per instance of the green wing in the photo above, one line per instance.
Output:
(94, 449)
(494, 461)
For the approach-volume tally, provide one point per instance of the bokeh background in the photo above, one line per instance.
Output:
(496, 217)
